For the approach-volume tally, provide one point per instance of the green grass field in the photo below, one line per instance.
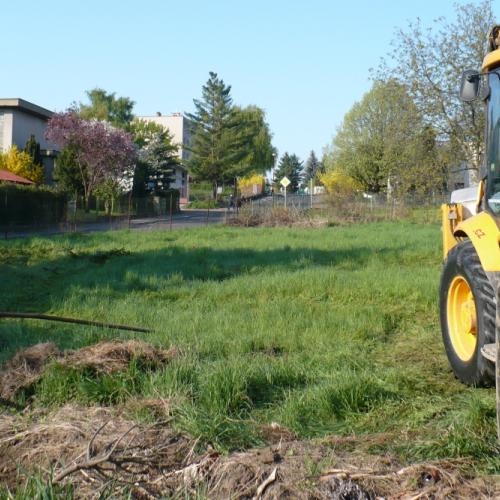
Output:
(325, 331)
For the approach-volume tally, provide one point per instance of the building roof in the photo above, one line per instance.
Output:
(6, 176)
(26, 106)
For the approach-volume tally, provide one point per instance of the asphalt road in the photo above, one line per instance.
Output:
(185, 219)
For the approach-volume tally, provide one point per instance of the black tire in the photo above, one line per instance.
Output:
(464, 261)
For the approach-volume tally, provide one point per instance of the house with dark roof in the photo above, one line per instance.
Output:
(19, 119)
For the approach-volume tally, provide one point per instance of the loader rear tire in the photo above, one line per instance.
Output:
(467, 311)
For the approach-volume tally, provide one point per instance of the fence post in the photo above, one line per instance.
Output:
(6, 211)
(129, 207)
(171, 211)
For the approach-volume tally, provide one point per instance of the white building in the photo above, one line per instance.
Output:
(19, 119)
(179, 128)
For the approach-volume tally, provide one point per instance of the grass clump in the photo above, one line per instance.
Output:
(34, 486)
(61, 384)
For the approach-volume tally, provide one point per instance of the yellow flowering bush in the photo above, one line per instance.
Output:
(21, 163)
(337, 182)
(246, 184)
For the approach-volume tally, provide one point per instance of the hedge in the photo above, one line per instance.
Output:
(31, 205)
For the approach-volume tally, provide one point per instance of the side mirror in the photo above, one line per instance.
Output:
(469, 86)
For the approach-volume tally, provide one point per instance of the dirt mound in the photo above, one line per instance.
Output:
(27, 366)
(100, 449)
(109, 357)
(74, 435)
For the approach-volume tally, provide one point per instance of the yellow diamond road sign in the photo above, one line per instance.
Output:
(285, 182)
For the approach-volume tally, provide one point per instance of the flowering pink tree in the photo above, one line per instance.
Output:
(102, 152)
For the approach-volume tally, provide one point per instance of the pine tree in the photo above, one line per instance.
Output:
(312, 168)
(32, 147)
(160, 159)
(157, 158)
(289, 166)
(66, 172)
(218, 138)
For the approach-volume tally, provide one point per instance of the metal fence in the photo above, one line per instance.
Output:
(327, 201)
(19, 219)
(149, 213)
(360, 207)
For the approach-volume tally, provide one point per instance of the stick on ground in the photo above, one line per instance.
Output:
(62, 319)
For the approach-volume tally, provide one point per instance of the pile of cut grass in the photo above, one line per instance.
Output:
(324, 331)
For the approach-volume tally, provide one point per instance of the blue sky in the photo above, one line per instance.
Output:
(304, 62)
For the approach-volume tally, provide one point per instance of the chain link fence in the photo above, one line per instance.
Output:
(361, 208)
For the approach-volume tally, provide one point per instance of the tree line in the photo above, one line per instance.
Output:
(227, 142)
(106, 150)
(410, 131)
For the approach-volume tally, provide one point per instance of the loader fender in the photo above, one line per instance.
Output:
(483, 232)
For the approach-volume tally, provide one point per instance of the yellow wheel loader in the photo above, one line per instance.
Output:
(470, 281)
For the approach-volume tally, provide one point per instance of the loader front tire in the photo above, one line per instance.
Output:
(467, 311)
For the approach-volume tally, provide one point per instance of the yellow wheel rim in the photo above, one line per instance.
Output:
(462, 318)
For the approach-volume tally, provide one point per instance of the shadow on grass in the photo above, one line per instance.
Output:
(115, 272)
(43, 286)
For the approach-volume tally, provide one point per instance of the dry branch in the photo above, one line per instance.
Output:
(95, 462)
(271, 478)
(62, 319)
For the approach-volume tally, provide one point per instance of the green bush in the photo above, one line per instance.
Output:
(31, 205)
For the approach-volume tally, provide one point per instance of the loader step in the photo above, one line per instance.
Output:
(489, 351)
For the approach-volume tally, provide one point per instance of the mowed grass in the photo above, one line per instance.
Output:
(324, 331)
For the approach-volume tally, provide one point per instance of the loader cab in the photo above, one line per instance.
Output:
(492, 153)
(486, 86)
